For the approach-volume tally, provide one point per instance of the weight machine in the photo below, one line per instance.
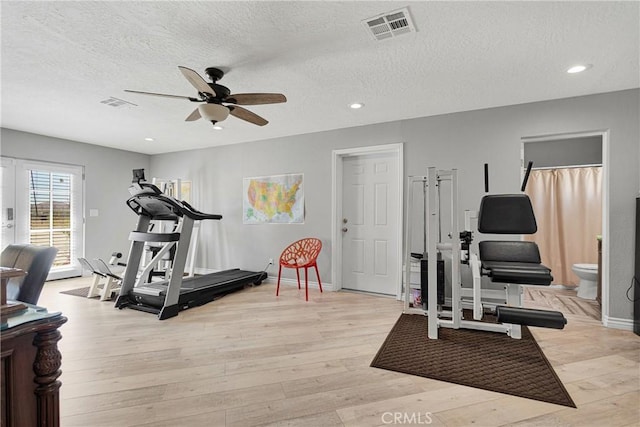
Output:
(510, 263)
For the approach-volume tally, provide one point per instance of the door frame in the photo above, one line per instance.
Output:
(604, 134)
(9, 162)
(337, 161)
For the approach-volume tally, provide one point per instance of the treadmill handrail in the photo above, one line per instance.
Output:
(197, 215)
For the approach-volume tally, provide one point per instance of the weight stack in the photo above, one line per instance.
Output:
(424, 281)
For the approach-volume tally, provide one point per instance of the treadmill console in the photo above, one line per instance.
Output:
(140, 188)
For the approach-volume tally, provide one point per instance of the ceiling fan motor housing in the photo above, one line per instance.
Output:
(222, 92)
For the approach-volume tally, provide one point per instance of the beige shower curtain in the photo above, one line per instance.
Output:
(568, 206)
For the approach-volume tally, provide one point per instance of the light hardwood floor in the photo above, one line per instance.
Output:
(252, 359)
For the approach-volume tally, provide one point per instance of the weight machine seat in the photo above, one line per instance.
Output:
(509, 261)
(516, 262)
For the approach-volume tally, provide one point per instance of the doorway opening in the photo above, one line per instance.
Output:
(568, 187)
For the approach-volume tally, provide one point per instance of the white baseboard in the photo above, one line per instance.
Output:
(293, 282)
(618, 323)
(274, 279)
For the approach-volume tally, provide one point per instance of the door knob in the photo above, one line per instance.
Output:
(344, 229)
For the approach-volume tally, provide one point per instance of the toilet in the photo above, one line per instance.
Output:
(588, 274)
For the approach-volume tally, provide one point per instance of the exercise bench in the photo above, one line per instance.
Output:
(100, 271)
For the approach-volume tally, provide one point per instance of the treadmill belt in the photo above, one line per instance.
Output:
(219, 278)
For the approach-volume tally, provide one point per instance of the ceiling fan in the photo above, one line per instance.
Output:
(213, 95)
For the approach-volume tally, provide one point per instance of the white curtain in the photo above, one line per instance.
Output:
(568, 206)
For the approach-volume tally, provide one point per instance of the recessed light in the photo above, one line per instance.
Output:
(356, 105)
(217, 127)
(149, 139)
(578, 68)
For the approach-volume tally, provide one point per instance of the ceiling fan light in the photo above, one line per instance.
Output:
(213, 112)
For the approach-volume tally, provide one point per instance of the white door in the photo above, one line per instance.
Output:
(370, 238)
(45, 201)
(8, 202)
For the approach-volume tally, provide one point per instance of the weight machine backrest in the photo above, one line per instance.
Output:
(506, 214)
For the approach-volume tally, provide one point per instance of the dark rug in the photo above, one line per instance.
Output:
(82, 292)
(480, 359)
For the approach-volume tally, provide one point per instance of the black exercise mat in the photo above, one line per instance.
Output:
(486, 360)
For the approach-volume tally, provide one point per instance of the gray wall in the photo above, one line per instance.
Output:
(564, 152)
(107, 176)
(463, 141)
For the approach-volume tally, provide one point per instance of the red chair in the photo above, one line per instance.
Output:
(301, 254)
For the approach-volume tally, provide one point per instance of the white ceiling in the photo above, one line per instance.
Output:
(60, 59)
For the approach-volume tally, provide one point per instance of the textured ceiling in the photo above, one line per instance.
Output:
(60, 59)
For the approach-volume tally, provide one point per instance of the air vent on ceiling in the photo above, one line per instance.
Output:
(390, 24)
(117, 102)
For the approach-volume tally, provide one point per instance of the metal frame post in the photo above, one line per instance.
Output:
(456, 284)
(179, 261)
(133, 260)
(432, 224)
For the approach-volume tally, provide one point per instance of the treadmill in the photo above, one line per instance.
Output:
(168, 297)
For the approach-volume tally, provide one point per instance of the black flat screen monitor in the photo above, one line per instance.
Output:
(138, 175)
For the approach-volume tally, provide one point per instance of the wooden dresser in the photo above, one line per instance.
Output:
(30, 366)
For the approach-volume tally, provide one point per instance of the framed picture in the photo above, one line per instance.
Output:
(277, 199)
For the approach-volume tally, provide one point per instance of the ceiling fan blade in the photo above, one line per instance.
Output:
(255, 98)
(195, 115)
(244, 114)
(160, 94)
(197, 81)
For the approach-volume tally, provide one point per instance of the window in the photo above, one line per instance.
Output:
(50, 212)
